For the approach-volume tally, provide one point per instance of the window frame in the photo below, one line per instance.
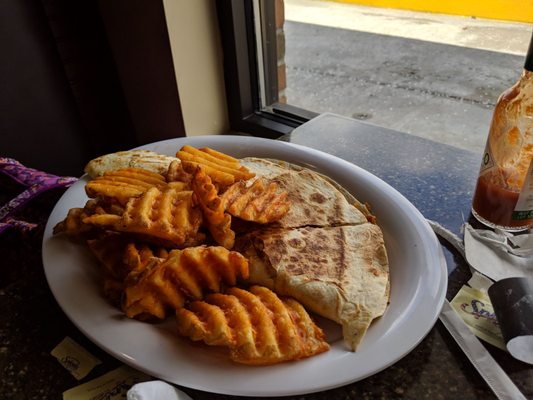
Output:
(241, 71)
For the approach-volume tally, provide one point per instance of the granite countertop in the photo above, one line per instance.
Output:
(437, 179)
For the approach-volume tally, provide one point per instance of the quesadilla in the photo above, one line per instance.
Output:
(324, 252)
(142, 159)
(340, 273)
(315, 201)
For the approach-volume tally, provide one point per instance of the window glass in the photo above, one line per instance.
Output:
(432, 75)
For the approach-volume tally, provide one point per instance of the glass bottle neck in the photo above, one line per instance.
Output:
(528, 65)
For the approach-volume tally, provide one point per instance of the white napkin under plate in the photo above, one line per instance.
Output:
(499, 254)
(155, 390)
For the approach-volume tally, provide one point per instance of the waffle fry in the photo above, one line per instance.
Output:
(223, 169)
(179, 186)
(138, 255)
(120, 258)
(73, 224)
(189, 273)
(123, 184)
(112, 289)
(150, 294)
(109, 250)
(257, 326)
(166, 218)
(176, 173)
(256, 203)
(217, 221)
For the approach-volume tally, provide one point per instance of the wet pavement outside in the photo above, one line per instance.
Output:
(430, 75)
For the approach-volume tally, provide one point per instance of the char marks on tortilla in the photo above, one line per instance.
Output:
(314, 200)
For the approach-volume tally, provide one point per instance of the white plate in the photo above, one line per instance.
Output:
(418, 286)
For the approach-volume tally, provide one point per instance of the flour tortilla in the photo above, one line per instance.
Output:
(315, 200)
(340, 273)
(145, 159)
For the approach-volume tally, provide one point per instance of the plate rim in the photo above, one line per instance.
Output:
(244, 141)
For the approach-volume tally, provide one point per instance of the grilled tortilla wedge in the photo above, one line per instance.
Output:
(324, 252)
(340, 273)
(145, 159)
(315, 200)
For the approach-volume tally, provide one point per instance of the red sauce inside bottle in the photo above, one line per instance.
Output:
(496, 204)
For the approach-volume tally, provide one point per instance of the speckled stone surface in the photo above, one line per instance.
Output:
(437, 179)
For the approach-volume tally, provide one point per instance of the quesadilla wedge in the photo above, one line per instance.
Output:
(340, 273)
(315, 200)
(142, 159)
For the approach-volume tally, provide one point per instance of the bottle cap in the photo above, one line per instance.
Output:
(529, 57)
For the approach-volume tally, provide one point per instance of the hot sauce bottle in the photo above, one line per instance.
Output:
(504, 192)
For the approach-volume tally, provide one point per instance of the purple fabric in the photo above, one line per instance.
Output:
(36, 183)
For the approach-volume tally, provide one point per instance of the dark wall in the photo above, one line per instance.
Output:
(138, 37)
(39, 123)
(65, 95)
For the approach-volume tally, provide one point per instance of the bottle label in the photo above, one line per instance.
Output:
(487, 162)
(524, 205)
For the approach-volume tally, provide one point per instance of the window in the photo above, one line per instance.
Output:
(284, 65)
(253, 104)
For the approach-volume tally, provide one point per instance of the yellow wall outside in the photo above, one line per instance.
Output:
(507, 10)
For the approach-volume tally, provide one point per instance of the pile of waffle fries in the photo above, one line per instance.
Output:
(164, 243)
